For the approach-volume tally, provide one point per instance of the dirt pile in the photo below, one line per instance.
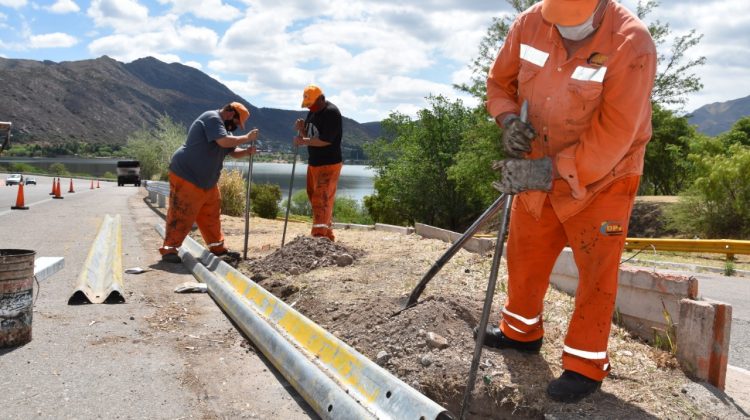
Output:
(300, 256)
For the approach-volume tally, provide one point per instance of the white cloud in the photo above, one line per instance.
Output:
(63, 7)
(127, 47)
(52, 40)
(125, 16)
(13, 4)
(205, 9)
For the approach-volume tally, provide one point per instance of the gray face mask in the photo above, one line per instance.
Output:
(578, 32)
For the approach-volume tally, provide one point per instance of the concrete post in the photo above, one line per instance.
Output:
(703, 335)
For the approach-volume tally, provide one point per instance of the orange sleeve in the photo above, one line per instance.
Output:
(502, 81)
(623, 118)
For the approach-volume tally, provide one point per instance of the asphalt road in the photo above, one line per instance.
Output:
(159, 355)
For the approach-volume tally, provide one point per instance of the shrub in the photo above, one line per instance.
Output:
(21, 167)
(300, 204)
(717, 205)
(58, 169)
(232, 188)
(348, 210)
(264, 200)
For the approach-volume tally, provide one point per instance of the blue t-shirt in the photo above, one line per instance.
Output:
(201, 159)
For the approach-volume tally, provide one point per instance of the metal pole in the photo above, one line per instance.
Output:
(499, 246)
(289, 198)
(487, 307)
(491, 211)
(247, 203)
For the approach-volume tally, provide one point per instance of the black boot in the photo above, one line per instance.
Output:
(230, 257)
(495, 338)
(571, 387)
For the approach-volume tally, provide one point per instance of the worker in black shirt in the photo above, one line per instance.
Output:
(321, 132)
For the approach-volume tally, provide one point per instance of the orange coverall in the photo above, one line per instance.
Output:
(592, 113)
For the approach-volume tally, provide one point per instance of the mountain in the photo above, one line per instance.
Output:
(716, 118)
(104, 101)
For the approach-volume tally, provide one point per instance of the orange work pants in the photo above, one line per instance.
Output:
(190, 204)
(321, 190)
(597, 236)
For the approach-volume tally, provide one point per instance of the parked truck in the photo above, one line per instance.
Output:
(128, 172)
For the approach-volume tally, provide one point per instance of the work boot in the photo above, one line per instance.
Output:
(571, 387)
(171, 258)
(495, 338)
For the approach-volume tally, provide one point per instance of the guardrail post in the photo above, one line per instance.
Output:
(152, 196)
(162, 201)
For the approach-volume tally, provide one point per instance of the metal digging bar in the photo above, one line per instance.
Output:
(289, 197)
(488, 214)
(247, 202)
(499, 246)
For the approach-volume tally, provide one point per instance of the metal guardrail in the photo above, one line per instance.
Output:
(100, 280)
(336, 380)
(158, 191)
(719, 246)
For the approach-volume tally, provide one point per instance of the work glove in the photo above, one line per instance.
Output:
(519, 175)
(517, 136)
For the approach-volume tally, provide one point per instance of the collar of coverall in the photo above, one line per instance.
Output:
(600, 15)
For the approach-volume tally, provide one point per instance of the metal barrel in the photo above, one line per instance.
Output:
(16, 296)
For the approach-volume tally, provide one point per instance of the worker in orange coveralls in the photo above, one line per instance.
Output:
(194, 176)
(586, 68)
(321, 132)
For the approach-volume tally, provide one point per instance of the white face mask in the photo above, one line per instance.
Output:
(578, 32)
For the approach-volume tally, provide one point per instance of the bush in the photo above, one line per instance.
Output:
(300, 204)
(58, 169)
(232, 188)
(264, 200)
(21, 167)
(717, 205)
(348, 210)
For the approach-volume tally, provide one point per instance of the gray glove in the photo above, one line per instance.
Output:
(519, 175)
(517, 136)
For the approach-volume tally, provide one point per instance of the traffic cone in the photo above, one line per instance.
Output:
(97, 183)
(92, 185)
(57, 190)
(71, 190)
(19, 199)
(54, 184)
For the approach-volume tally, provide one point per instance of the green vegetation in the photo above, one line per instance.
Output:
(58, 169)
(154, 148)
(348, 210)
(82, 149)
(264, 200)
(232, 189)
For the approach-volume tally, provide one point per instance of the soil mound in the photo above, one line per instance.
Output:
(302, 255)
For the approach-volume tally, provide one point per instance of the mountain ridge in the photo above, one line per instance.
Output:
(104, 101)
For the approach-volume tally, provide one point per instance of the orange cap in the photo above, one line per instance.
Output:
(568, 12)
(310, 95)
(242, 111)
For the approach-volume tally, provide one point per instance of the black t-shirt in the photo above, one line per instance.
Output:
(326, 125)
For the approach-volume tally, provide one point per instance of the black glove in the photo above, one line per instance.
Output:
(519, 175)
(517, 136)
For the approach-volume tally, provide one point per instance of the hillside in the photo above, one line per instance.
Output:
(716, 118)
(104, 101)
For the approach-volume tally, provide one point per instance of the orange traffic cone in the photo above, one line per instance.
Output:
(92, 185)
(57, 190)
(19, 199)
(97, 183)
(71, 190)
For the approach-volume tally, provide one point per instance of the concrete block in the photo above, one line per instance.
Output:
(152, 196)
(476, 245)
(354, 226)
(642, 295)
(703, 333)
(404, 230)
(162, 201)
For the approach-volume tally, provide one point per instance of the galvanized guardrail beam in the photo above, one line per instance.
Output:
(336, 380)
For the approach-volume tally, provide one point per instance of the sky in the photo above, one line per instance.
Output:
(371, 57)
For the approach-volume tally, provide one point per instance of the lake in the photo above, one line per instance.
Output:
(356, 181)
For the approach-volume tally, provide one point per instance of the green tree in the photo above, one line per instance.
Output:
(717, 205)
(264, 200)
(58, 169)
(300, 204)
(412, 172)
(154, 148)
(348, 210)
(667, 169)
